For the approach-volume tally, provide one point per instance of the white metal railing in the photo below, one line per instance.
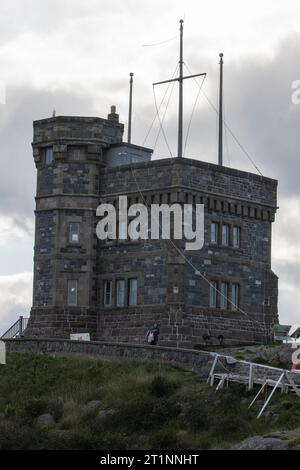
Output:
(17, 329)
(273, 377)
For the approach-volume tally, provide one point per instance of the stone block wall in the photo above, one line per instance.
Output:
(198, 361)
(229, 196)
(173, 284)
(67, 192)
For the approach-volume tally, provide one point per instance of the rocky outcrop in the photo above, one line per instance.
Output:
(280, 440)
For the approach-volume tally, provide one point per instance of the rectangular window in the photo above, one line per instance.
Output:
(74, 232)
(214, 229)
(235, 293)
(49, 155)
(75, 154)
(132, 291)
(236, 237)
(225, 235)
(107, 293)
(120, 286)
(72, 292)
(224, 295)
(213, 294)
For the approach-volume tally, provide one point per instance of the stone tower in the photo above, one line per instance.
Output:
(115, 289)
(68, 156)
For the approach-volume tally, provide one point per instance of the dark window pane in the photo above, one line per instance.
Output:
(132, 291)
(107, 293)
(120, 285)
(49, 155)
(72, 292)
(74, 232)
(213, 294)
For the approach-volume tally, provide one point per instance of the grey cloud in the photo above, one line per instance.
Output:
(48, 16)
(16, 294)
(17, 170)
(290, 275)
(258, 108)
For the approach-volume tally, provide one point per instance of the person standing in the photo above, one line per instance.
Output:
(152, 335)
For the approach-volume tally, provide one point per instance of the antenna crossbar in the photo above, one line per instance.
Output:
(180, 81)
(178, 78)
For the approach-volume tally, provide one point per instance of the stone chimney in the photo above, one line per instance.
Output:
(113, 116)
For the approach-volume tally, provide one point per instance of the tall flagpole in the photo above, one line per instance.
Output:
(220, 152)
(130, 109)
(180, 79)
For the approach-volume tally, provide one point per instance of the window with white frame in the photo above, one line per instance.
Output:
(213, 294)
(74, 232)
(224, 295)
(49, 155)
(107, 293)
(235, 293)
(72, 292)
(236, 237)
(225, 234)
(214, 232)
(132, 291)
(120, 288)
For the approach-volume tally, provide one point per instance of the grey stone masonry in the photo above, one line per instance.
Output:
(200, 362)
(174, 288)
(67, 192)
(173, 284)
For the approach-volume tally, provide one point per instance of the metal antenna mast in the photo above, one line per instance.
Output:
(180, 81)
(130, 109)
(180, 107)
(220, 152)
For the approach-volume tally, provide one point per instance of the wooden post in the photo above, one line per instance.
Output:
(258, 393)
(210, 378)
(294, 387)
(270, 396)
(251, 377)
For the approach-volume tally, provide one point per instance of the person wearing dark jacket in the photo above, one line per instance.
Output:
(152, 334)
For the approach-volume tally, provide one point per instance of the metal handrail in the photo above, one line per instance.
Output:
(17, 329)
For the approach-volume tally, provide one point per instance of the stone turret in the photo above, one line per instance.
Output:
(67, 152)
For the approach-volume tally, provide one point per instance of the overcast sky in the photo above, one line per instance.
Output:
(75, 56)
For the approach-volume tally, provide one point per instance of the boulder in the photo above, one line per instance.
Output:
(262, 443)
(93, 403)
(104, 413)
(45, 420)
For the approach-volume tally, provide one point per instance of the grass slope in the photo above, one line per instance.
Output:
(141, 406)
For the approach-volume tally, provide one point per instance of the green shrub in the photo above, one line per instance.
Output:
(229, 427)
(195, 416)
(144, 414)
(36, 407)
(154, 406)
(165, 439)
(161, 387)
